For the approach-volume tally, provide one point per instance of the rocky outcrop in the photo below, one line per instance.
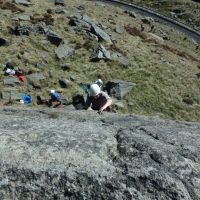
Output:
(51, 154)
(84, 22)
(119, 88)
(39, 28)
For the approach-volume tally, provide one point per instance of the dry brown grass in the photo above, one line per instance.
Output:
(10, 6)
(136, 32)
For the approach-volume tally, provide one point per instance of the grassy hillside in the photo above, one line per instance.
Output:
(164, 70)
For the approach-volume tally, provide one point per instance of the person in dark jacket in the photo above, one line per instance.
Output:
(98, 100)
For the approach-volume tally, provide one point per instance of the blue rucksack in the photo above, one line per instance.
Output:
(55, 96)
(27, 99)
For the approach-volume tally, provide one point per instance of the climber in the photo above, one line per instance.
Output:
(57, 99)
(98, 100)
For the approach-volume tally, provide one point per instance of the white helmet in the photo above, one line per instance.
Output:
(94, 90)
(52, 91)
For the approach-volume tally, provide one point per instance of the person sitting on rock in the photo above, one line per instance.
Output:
(98, 100)
(57, 99)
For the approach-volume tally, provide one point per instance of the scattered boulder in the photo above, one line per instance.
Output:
(102, 35)
(64, 83)
(131, 13)
(81, 22)
(64, 51)
(147, 20)
(41, 28)
(79, 102)
(57, 11)
(198, 75)
(118, 88)
(120, 58)
(22, 17)
(53, 38)
(59, 2)
(119, 29)
(100, 53)
(3, 42)
(21, 30)
(41, 100)
(65, 66)
(23, 2)
(11, 81)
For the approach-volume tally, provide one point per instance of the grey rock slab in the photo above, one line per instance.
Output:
(73, 154)
(22, 17)
(77, 21)
(119, 29)
(64, 51)
(23, 2)
(100, 53)
(119, 88)
(131, 13)
(60, 2)
(11, 81)
(102, 35)
(54, 38)
(35, 77)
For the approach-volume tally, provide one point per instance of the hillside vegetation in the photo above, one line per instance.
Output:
(163, 62)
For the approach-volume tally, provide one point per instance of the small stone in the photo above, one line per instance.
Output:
(59, 2)
(64, 83)
(65, 66)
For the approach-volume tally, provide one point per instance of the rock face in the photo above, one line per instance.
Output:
(46, 154)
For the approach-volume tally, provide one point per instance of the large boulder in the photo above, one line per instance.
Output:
(118, 88)
(69, 154)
